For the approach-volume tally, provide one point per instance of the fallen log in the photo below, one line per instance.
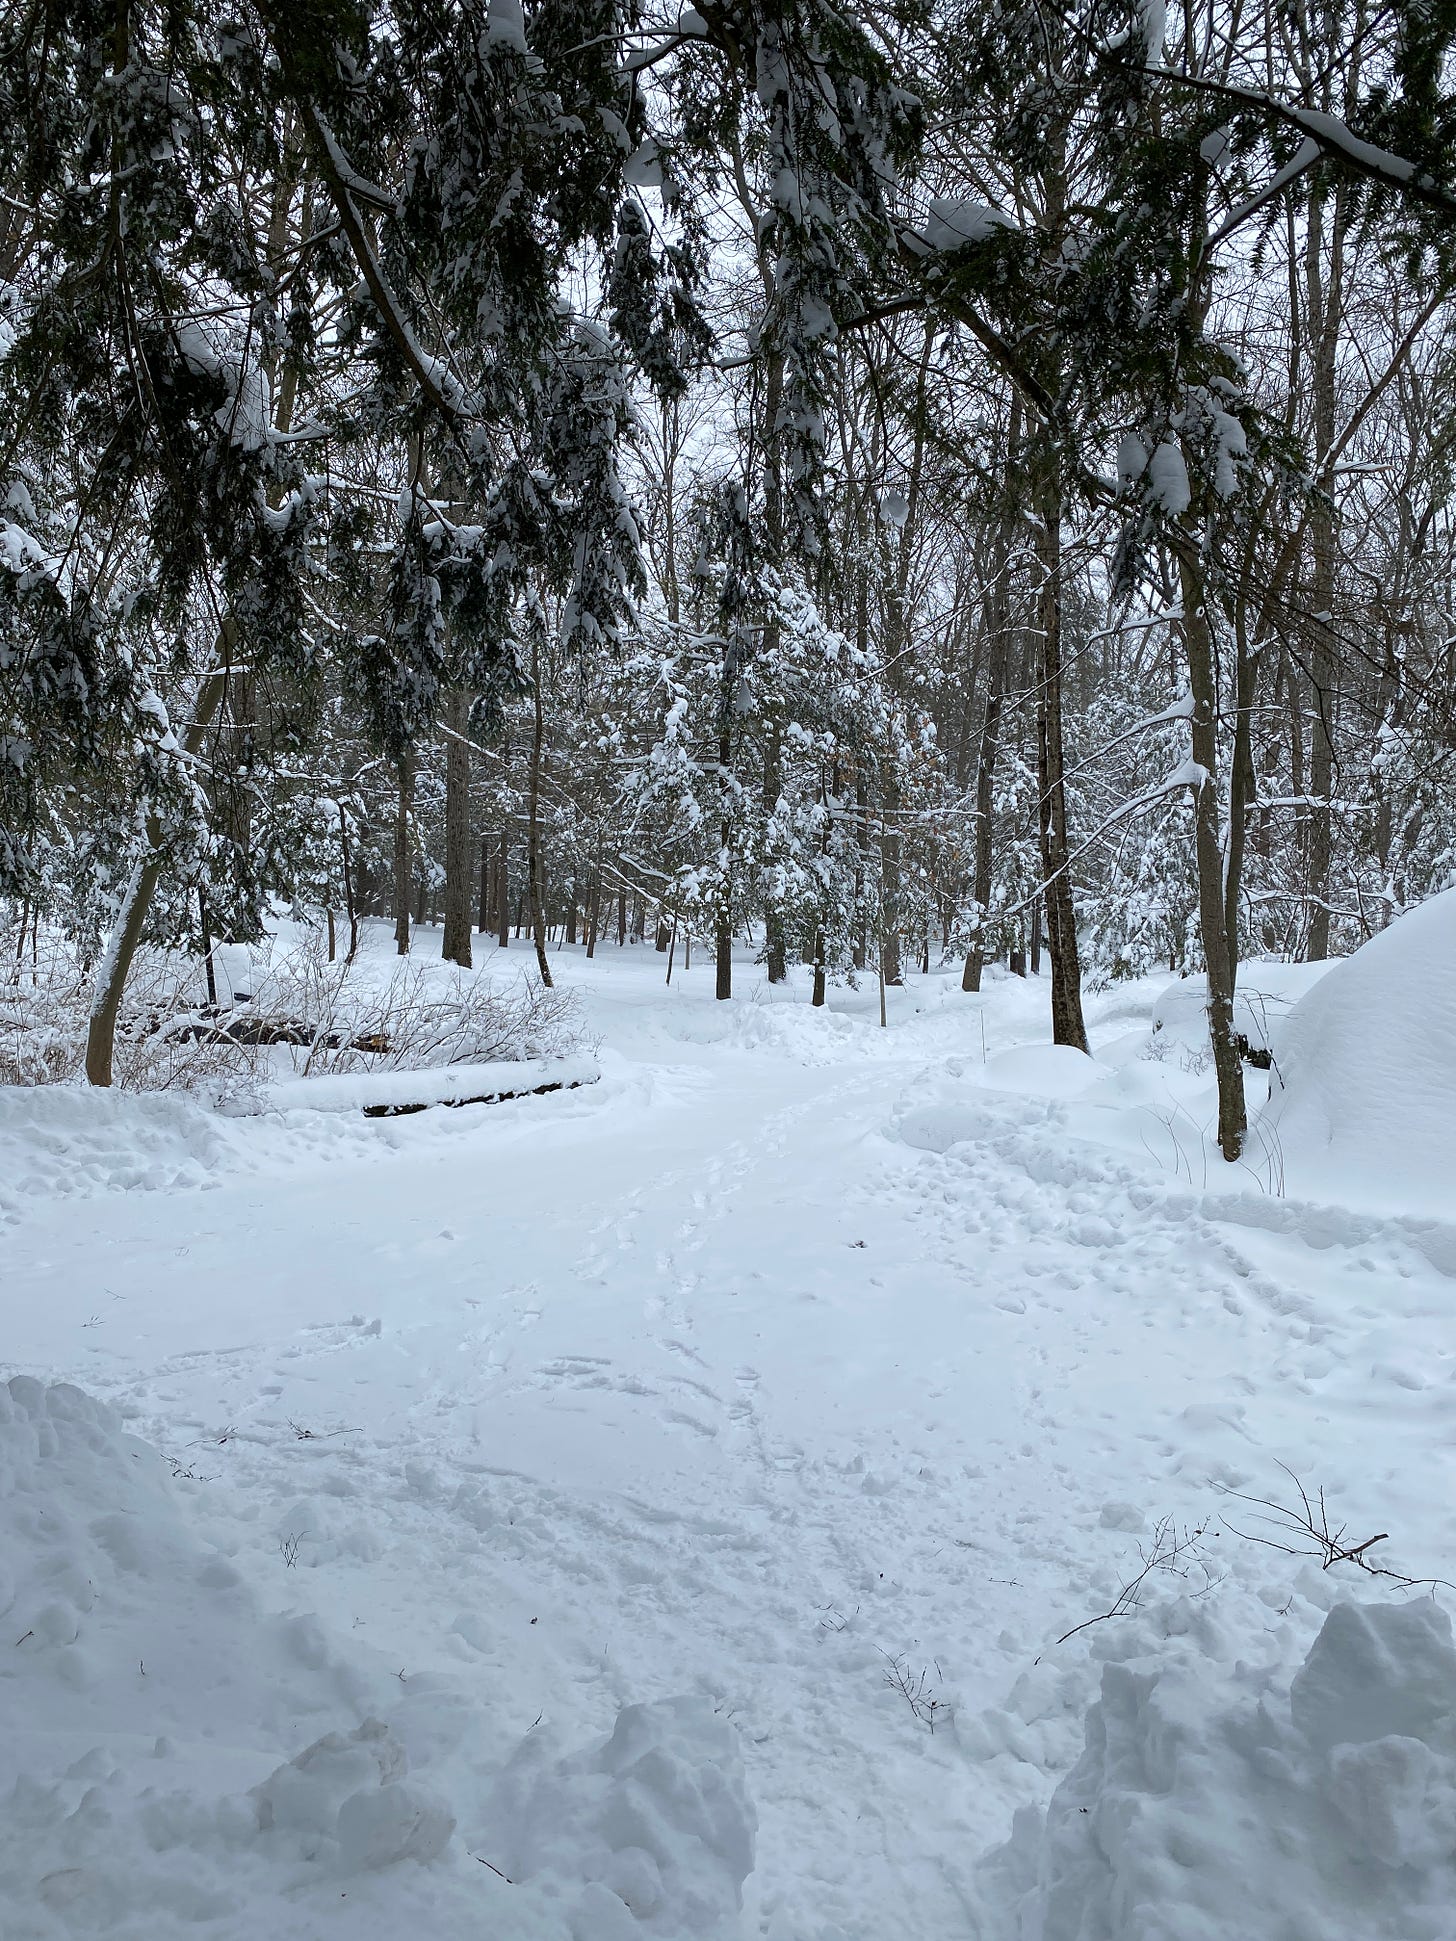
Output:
(480, 1098)
(387, 1095)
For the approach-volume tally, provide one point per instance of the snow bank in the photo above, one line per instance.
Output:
(71, 1139)
(180, 1759)
(1363, 1107)
(1210, 1805)
(78, 1140)
(146, 1687)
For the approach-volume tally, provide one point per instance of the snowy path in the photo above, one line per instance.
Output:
(723, 1378)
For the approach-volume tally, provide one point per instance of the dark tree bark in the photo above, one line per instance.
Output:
(998, 653)
(348, 873)
(1325, 292)
(775, 937)
(724, 926)
(459, 848)
(890, 874)
(1068, 1027)
(1218, 955)
(535, 888)
(402, 871)
(503, 889)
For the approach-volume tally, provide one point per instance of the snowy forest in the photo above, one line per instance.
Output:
(956, 480)
(771, 572)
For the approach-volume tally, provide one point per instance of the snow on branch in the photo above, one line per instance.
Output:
(1334, 138)
(444, 391)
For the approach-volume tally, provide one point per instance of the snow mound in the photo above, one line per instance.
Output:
(146, 1686)
(1023, 1073)
(76, 1140)
(1041, 1071)
(1363, 1109)
(180, 1759)
(345, 1795)
(1206, 1806)
(796, 1031)
(655, 1823)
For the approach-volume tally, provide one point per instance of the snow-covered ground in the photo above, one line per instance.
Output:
(564, 1516)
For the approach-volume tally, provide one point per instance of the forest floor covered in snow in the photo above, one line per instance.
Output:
(675, 1488)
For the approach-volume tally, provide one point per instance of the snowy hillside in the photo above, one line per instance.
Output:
(652, 1509)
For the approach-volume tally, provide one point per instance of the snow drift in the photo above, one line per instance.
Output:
(180, 1759)
(1363, 1103)
(77, 1140)
(1207, 1806)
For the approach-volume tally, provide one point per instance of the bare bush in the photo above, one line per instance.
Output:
(1174, 1550)
(916, 1688)
(42, 1010)
(1303, 1528)
(310, 1016)
(169, 1037)
(418, 1019)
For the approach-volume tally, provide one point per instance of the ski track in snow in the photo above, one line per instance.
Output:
(720, 1383)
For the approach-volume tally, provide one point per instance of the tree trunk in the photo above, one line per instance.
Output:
(998, 650)
(349, 903)
(503, 889)
(724, 937)
(459, 849)
(207, 945)
(890, 872)
(1218, 955)
(1325, 308)
(775, 938)
(402, 871)
(1243, 785)
(533, 846)
(121, 948)
(1068, 1027)
(861, 954)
